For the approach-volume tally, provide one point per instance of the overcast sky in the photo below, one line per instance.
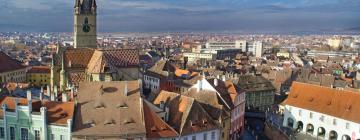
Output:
(185, 15)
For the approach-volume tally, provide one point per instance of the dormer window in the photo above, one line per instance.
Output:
(90, 122)
(63, 115)
(348, 107)
(122, 105)
(153, 129)
(99, 105)
(128, 121)
(109, 122)
(205, 122)
(192, 123)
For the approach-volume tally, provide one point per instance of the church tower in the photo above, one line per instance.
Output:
(85, 24)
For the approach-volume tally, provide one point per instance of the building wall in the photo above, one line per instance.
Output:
(107, 137)
(237, 116)
(196, 56)
(238, 44)
(260, 99)
(200, 136)
(34, 121)
(334, 42)
(225, 122)
(152, 83)
(327, 122)
(17, 76)
(38, 79)
(128, 74)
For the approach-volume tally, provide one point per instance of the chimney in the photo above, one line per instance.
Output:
(42, 89)
(167, 110)
(41, 96)
(140, 86)
(223, 78)
(48, 90)
(28, 95)
(162, 105)
(215, 82)
(29, 98)
(16, 100)
(199, 84)
(64, 97)
(72, 92)
(126, 89)
(54, 94)
(217, 76)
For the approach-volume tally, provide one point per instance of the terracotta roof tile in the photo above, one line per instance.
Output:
(77, 58)
(9, 64)
(57, 112)
(104, 110)
(186, 116)
(39, 69)
(155, 126)
(338, 103)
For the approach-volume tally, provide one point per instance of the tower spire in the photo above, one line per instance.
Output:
(58, 47)
(62, 74)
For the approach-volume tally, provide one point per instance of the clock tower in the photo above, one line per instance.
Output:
(85, 24)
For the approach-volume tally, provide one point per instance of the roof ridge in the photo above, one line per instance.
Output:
(153, 113)
(186, 114)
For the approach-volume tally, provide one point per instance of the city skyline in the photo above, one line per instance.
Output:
(196, 15)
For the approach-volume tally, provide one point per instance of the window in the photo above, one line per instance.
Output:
(300, 112)
(322, 118)
(62, 137)
(12, 133)
(2, 132)
(185, 138)
(205, 136)
(212, 135)
(290, 108)
(311, 115)
(37, 135)
(347, 125)
(52, 137)
(24, 134)
(334, 121)
(193, 138)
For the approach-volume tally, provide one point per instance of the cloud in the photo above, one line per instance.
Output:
(174, 15)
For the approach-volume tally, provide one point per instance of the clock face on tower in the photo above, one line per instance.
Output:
(86, 26)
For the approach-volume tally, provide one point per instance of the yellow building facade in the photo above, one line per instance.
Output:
(39, 75)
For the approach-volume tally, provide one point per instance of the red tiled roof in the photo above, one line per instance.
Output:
(77, 58)
(186, 115)
(40, 69)
(8, 64)
(338, 103)
(155, 126)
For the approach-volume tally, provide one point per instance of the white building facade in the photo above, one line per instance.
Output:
(322, 112)
(152, 83)
(320, 125)
(192, 57)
